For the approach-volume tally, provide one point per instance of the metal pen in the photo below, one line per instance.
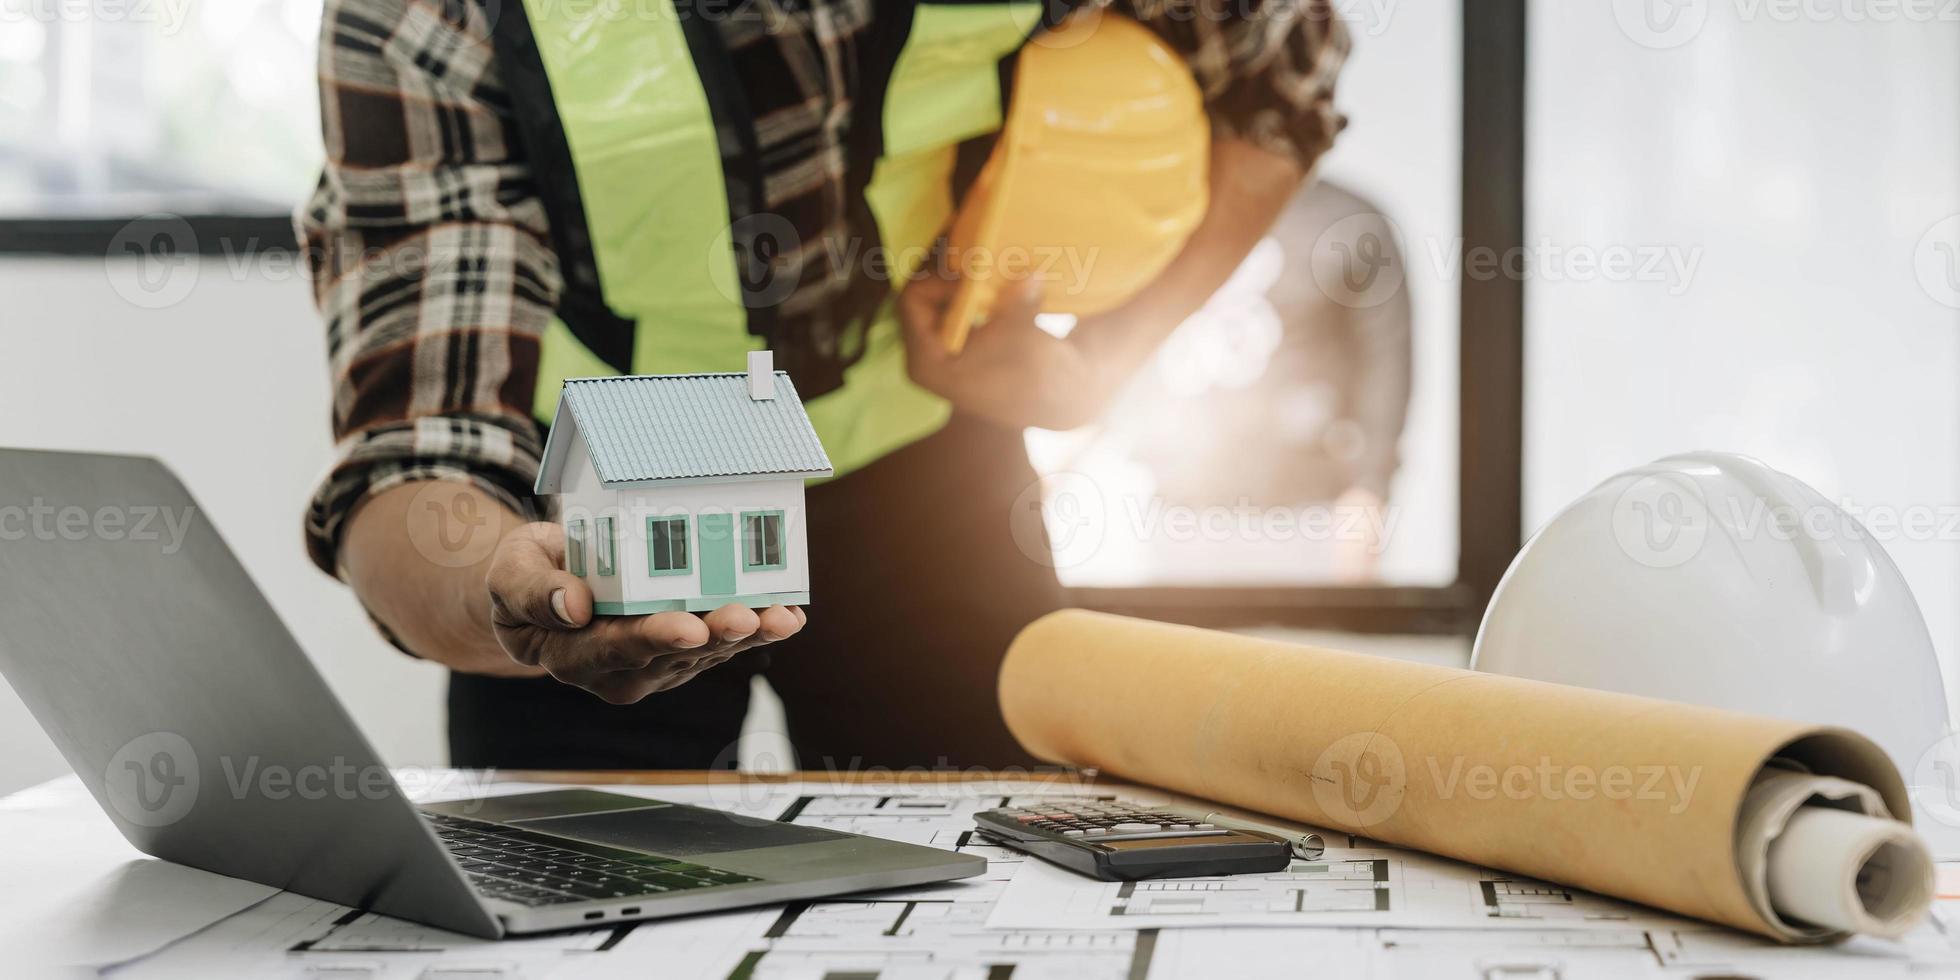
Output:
(1307, 846)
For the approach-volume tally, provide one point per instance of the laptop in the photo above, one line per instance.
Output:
(203, 730)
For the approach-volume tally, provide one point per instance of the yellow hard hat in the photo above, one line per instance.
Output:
(1099, 176)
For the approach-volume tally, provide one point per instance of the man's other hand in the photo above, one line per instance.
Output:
(542, 616)
(1011, 371)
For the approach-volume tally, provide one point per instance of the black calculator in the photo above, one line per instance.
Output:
(1114, 841)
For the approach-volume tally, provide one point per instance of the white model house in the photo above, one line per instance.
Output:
(684, 492)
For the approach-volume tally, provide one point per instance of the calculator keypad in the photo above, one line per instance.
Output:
(1099, 820)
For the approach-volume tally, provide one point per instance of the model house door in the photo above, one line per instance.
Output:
(717, 548)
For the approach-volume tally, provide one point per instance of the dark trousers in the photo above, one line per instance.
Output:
(924, 565)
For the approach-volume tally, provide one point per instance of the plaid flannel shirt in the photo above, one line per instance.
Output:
(431, 252)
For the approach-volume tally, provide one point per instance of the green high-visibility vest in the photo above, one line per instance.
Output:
(649, 217)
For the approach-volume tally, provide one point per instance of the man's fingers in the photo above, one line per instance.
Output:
(624, 659)
(922, 310)
(613, 644)
(777, 623)
(674, 631)
(732, 623)
(527, 588)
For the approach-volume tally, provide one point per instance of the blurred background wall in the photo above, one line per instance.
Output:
(1744, 233)
(1808, 169)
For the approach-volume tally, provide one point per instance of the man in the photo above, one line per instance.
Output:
(517, 193)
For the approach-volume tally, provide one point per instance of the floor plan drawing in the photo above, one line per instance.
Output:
(1348, 886)
(1362, 911)
(1358, 886)
(1512, 897)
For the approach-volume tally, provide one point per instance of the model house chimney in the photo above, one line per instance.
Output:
(762, 375)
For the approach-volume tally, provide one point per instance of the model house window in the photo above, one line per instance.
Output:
(667, 546)
(607, 566)
(762, 541)
(575, 547)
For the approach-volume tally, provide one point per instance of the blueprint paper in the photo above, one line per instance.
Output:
(1622, 795)
(947, 931)
(1370, 885)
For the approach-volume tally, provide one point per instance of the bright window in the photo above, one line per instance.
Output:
(1301, 429)
(575, 547)
(762, 541)
(120, 109)
(606, 546)
(667, 546)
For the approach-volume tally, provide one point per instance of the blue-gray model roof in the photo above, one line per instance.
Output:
(684, 427)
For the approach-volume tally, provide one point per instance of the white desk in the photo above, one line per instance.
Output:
(72, 893)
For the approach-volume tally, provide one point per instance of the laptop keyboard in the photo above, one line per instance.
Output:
(534, 869)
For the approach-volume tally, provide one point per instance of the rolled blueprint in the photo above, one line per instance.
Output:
(1672, 805)
(1834, 860)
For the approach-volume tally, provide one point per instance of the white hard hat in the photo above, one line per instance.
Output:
(1711, 578)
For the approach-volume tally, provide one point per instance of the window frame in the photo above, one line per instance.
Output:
(782, 544)
(687, 548)
(575, 547)
(1490, 390)
(605, 554)
(161, 235)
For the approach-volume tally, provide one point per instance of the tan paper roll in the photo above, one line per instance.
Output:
(1622, 795)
